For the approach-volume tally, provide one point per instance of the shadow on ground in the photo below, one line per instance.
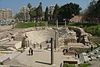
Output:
(43, 62)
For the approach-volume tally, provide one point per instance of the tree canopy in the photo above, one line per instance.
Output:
(29, 6)
(67, 11)
(39, 11)
(46, 14)
(93, 11)
(55, 13)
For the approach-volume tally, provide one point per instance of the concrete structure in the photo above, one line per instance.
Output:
(71, 37)
(78, 47)
(40, 36)
(84, 57)
(14, 44)
(42, 58)
(90, 57)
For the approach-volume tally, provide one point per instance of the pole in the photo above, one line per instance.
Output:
(56, 39)
(52, 51)
(57, 23)
(46, 24)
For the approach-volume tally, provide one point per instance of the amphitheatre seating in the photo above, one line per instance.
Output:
(40, 36)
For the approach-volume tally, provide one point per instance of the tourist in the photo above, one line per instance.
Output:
(40, 46)
(31, 51)
(61, 65)
(34, 45)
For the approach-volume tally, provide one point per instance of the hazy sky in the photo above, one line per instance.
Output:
(15, 5)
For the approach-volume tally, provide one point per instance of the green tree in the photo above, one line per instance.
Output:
(29, 6)
(32, 14)
(93, 12)
(46, 14)
(19, 16)
(30, 11)
(68, 10)
(39, 11)
(55, 13)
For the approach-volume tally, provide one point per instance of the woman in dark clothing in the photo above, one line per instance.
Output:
(31, 51)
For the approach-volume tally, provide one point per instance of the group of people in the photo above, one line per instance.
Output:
(30, 51)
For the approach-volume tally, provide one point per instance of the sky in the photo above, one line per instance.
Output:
(15, 5)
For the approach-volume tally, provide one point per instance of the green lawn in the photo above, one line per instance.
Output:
(84, 65)
(69, 65)
(24, 25)
(29, 24)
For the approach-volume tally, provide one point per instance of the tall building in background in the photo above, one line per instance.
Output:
(5, 14)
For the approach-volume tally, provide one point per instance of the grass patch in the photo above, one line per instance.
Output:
(25, 25)
(94, 30)
(69, 65)
(84, 65)
(29, 24)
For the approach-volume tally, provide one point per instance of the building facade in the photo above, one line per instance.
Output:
(5, 14)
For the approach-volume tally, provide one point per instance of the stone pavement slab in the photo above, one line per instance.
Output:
(40, 59)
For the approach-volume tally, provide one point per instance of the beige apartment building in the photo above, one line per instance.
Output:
(5, 14)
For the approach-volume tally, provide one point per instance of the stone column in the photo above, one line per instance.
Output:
(56, 39)
(57, 23)
(52, 59)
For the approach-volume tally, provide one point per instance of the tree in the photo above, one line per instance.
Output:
(19, 16)
(92, 14)
(39, 11)
(30, 10)
(68, 10)
(46, 14)
(32, 14)
(29, 6)
(55, 13)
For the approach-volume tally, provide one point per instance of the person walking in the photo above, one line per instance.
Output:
(31, 51)
(61, 65)
(40, 46)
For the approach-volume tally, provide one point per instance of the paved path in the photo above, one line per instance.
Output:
(41, 58)
(95, 63)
